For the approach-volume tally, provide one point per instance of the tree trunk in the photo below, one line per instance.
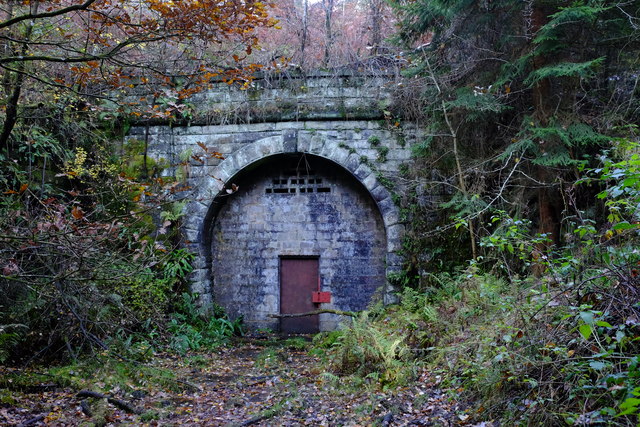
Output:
(548, 214)
(375, 7)
(14, 86)
(304, 31)
(327, 5)
(11, 112)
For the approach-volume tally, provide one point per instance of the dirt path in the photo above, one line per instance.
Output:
(258, 382)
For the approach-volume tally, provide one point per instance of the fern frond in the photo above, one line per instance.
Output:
(573, 15)
(583, 135)
(555, 158)
(9, 340)
(565, 69)
(549, 133)
(515, 70)
(549, 37)
(477, 104)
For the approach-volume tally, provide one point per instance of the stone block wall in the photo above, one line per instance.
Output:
(328, 215)
(321, 95)
(361, 153)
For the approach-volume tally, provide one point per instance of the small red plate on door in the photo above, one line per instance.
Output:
(319, 297)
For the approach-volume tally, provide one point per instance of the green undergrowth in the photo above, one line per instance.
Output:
(527, 352)
(191, 330)
(106, 375)
(537, 352)
(102, 374)
(369, 351)
(531, 333)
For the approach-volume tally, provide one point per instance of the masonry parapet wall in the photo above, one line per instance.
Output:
(276, 97)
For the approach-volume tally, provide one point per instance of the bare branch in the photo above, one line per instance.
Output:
(51, 14)
(86, 58)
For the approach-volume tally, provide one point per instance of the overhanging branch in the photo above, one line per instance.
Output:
(85, 58)
(51, 14)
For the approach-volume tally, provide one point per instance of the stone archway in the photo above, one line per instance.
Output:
(201, 215)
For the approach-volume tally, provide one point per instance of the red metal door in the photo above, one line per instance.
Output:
(298, 279)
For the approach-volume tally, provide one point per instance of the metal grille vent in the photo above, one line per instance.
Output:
(297, 184)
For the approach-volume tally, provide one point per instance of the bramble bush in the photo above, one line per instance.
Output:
(90, 259)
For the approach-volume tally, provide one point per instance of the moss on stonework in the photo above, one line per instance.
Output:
(254, 94)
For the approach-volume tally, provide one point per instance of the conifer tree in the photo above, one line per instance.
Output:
(533, 90)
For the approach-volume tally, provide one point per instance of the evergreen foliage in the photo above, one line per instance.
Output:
(530, 92)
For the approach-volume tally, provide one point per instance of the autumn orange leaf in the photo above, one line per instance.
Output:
(77, 212)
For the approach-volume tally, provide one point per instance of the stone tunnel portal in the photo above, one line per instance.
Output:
(297, 224)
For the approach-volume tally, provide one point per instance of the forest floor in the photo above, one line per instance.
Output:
(261, 382)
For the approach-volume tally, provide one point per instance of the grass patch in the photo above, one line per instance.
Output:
(104, 374)
(296, 343)
(268, 358)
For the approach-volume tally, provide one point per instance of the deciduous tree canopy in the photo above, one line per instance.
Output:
(100, 48)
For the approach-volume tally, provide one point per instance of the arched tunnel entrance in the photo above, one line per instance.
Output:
(297, 224)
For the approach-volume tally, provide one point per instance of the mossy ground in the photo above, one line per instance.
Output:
(267, 381)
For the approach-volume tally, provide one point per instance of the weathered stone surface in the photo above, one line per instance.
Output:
(290, 141)
(379, 192)
(312, 97)
(238, 238)
(343, 227)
